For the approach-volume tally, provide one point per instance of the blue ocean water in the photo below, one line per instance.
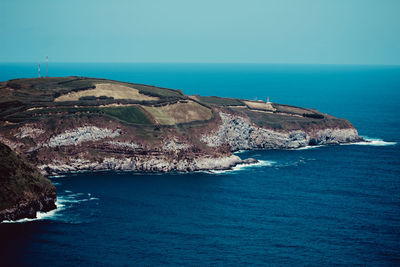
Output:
(321, 206)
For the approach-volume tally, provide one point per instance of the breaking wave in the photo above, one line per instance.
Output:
(63, 202)
(57, 176)
(307, 147)
(369, 141)
(260, 163)
(42, 215)
(240, 151)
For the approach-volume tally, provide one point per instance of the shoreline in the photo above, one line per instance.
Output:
(237, 166)
(230, 167)
(219, 164)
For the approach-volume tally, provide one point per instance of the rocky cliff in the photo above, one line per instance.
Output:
(241, 134)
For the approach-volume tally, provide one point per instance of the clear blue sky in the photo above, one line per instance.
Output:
(254, 31)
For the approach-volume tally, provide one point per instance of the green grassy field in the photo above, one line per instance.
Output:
(130, 114)
(220, 101)
(157, 91)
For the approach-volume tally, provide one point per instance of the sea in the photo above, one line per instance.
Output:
(315, 206)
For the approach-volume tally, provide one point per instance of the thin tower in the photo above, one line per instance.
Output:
(39, 69)
(47, 66)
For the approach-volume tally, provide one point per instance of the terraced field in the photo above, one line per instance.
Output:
(130, 114)
(218, 101)
(28, 100)
(116, 91)
(259, 105)
(181, 112)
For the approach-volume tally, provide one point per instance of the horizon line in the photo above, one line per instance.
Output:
(183, 62)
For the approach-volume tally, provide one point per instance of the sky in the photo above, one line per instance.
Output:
(220, 31)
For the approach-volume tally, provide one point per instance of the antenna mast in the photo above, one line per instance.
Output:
(47, 66)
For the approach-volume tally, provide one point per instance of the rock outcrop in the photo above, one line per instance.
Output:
(147, 164)
(23, 190)
(241, 134)
(80, 135)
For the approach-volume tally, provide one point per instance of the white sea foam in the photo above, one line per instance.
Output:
(239, 167)
(79, 200)
(240, 151)
(369, 141)
(57, 176)
(62, 203)
(307, 147)
(42, 215)
(76, 198)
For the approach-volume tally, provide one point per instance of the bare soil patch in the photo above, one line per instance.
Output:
(260, 105)
(179, 113)
(116, 91)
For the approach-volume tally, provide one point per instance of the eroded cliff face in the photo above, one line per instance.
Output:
(96, 144)
(161, 163)
(241, 134)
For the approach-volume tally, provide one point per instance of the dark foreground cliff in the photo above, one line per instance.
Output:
(23, 189)
(76, 123)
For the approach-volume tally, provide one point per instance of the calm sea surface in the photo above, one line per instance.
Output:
(321, 206)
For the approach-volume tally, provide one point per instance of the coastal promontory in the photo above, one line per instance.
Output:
(77, 123)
